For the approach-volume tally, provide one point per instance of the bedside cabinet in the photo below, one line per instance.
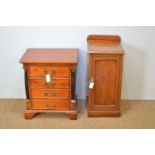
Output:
(105, 75)
(50, 77)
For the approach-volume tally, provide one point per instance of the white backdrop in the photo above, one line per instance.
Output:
(139, 62)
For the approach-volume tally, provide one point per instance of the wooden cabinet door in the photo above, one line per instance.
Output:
(106, 71)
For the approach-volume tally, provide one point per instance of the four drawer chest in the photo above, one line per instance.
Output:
(50, 80)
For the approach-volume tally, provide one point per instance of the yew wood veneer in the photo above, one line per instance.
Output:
(57, 95)
(105, 71)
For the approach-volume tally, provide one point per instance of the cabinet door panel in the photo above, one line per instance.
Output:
(105, 83)
(105, 72)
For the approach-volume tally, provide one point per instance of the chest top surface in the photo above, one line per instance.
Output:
(108, 44)
(50, 55)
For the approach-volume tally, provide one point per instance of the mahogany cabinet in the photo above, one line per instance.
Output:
(105, 75)
(50, 77)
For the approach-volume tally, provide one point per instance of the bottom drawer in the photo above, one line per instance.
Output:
(50, 104)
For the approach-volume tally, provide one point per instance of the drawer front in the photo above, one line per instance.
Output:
(50, 94)
(50, 105)
(55, 83)
(53, 71)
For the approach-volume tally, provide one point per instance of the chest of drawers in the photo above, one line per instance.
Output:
(50, 77)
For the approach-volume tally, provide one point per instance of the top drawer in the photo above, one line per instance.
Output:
(53, 70)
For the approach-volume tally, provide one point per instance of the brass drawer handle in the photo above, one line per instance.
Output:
(52, 72)
(46, 93)
(52, 84)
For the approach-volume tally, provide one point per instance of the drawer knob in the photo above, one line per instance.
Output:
(45, 71)
(52, 72)
(46, 94)
(53, 84)
(46, 84)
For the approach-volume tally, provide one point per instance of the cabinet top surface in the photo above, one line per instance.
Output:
(108, 44)
(50, 55)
